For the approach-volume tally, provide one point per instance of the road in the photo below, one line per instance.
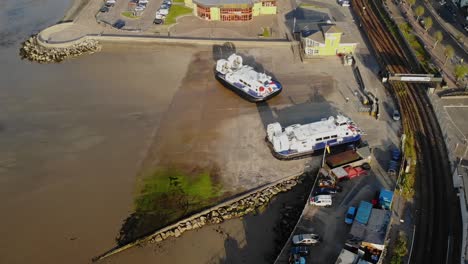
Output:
(449, 18)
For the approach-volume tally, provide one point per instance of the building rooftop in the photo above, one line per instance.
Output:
(316, 31)
(226, 3)
(375, 230)
(331, 29)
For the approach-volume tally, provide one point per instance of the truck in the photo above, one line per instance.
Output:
(349, 164)
(350, 172)
(350, 157)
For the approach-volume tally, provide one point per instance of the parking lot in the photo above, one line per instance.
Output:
(451, 113)
(142, 22)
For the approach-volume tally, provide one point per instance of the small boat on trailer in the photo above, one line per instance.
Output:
(298, 141)
(245, 81)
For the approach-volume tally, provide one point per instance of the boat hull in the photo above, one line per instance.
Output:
(305, 154)
(246, 96)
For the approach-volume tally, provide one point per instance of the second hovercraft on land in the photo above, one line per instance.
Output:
(299, 141)
(245, 81)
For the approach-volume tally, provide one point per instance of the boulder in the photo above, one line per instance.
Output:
(177, 233)
(158, 238)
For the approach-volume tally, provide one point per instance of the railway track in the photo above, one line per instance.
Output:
(438, 225)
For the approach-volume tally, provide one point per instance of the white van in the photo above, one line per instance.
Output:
(321, 200)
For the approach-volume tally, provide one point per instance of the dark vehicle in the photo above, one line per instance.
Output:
(104, 9)
(302, 251)
(326, 191)
(158, 21)
(119, 24)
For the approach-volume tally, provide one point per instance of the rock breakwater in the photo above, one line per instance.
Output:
(236, 209)
(32, 50)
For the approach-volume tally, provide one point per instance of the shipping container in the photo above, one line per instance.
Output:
(364, 212)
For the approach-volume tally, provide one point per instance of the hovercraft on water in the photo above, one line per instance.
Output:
(297, 140)
(245, 81)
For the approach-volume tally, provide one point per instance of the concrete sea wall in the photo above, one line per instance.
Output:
(67, 40)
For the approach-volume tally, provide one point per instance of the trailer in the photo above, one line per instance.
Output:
(349, 172)
(350, 157)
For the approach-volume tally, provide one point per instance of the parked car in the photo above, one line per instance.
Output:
(164, 6)
(321, 200)
(119, 24)
(163, 12)
(158, 21)
(350, 214)
(159, 16)
(110, 3)
(104, 9)
(143, 2)
(139, 8)
(396, 115)
(306, 239)
(300, 250)
(167, 2)
(326, 191)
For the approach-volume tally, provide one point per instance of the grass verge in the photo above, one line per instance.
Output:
(308, 5)
(400, 250)
(407, 179)
(129, 14)
(176, 11)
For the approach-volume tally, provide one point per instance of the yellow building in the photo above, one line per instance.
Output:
(231, 10)
(325, 40)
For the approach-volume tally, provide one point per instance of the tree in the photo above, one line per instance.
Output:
(449, 53)
(400, 250)
(411, 2)
(461, 71)
(427, 23)
(438, 37)
(419, 11)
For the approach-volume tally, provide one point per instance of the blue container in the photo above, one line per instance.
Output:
(364, 212)
(385, 199)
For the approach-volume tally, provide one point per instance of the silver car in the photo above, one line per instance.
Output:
(396, 115)
(306, 239)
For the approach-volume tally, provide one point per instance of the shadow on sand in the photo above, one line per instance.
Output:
(268, 230)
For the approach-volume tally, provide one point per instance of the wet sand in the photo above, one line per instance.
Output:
(73, 138)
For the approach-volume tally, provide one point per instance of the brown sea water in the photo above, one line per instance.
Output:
(72, 138)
